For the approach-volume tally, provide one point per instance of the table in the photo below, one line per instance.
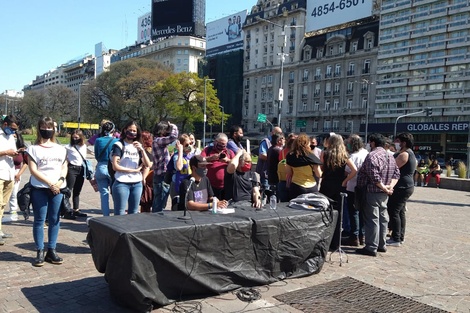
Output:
(154, 259)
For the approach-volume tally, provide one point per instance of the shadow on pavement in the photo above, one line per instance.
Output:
(438, 203)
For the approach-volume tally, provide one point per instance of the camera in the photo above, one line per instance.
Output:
(222, 156)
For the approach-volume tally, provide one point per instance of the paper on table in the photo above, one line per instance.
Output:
(226, 210)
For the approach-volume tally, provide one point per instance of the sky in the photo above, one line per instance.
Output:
(37, 36)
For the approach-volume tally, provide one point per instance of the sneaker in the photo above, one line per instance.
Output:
(79, 213)
(350, 241)
(4, 235)
(364, 251)
(425, 185)
(422, 184)
(393, 243)
(382, 250)
(14, 217)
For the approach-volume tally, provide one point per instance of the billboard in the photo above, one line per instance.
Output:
(225, 34)
(144, 27)
(326, 13)
(172, 18)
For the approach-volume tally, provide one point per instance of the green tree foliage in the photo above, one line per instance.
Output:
(58, 102)
(125, 93)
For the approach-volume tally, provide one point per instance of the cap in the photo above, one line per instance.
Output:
(198, 159)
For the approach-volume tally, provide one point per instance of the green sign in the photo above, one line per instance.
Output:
(301, 123)
(261, 118)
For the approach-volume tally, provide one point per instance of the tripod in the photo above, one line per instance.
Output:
(340, 251)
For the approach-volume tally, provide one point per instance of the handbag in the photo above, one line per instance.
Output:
(88, 166)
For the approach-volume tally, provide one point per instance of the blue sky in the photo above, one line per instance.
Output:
(37, 36)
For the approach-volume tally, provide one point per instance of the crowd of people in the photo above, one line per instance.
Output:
(143, 168)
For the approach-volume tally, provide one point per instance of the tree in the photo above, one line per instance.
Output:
(125, 92)
(57, 102)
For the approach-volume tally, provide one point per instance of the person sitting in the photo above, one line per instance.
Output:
(421, 172)
(197, 195)
(241, 184)
(434, 171)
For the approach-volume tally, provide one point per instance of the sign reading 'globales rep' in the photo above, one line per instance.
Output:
(437, 127)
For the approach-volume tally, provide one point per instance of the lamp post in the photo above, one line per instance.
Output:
(79, 103)
(223, 113)
(282, 54)
(366, 131)
(401, 116)
(205, 115)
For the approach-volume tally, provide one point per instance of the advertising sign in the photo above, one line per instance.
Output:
(144, 26)
(225, 34)
(326, 13)
(172, 18)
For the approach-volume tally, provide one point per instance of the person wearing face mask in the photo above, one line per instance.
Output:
(47, 163)
(220, 157)
(76, 151)
(235, 138)
(406, 162)
(241, 184)
(8, 151)
(128, 157)
(197, 195)
(180, 161)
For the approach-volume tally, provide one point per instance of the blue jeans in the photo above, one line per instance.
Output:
(45, 204)
(161, 190)
(104, 185)
(126, 193)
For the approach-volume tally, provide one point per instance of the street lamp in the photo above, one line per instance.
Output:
(79, 103)
(223, 113)
(205, 116)
(282, 54)
(405, 115)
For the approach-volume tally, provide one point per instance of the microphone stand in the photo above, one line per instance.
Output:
(184, 217)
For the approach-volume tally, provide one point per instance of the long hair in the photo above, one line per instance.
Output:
(336, 154)
(147, 139)
(48, 123)
(301, 145)
(19, 141)
(355, 143)
(78, 132)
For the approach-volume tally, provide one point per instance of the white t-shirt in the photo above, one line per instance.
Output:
(130, 159)
(49, 161)
(7, 167)
(73, 157)
(357, 158)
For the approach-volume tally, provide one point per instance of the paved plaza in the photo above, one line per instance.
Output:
(432, 267)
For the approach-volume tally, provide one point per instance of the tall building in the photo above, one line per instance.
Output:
(423, 63)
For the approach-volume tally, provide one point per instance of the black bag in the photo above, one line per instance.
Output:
(65, 206)
(111, 170)
(24, 200)
(87, 165)
(170, 170)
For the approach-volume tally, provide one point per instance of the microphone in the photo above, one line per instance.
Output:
(184, 217)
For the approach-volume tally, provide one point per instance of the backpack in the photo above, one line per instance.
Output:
(24, 200)
(282, 168)
(111, 170)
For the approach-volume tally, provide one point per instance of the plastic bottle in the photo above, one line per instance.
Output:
(214, 205)
(273, 202)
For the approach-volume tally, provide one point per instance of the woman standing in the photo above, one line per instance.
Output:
(102, 146)
(20, 167)
(76, 154)
(128, 156)
(180, 160)
(396, 206)
(334, 178)
(47, 162)
(302, 166)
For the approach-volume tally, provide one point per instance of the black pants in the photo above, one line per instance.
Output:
(75, 178)
(396, 210)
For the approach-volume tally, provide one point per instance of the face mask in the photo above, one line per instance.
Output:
(368, 147)
(348, 146)
(397, 146)
(75, 141)
(8, 131)
(131, 135)
(312, 147)
(201, 172)
(187, 149)
(246, 167)
(220, 147)
(46, 133)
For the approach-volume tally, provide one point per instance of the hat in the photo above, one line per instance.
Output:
(198, 159)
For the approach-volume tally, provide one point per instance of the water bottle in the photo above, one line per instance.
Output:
(273, 202)
(214, 205)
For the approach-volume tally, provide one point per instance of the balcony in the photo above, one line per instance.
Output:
(337, 74)
(349, 91)
(328, 75)
(350, 73)
(366, 71)
(317, 77)
(336, 92)
(291, 80)
(316, 93)
(305, 79)
(304, 96)
(327, 93)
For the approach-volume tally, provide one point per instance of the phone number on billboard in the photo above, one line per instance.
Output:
(331, 7)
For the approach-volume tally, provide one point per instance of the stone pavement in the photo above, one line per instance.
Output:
(432, 267)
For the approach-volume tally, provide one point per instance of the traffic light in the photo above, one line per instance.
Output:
(428, 111)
